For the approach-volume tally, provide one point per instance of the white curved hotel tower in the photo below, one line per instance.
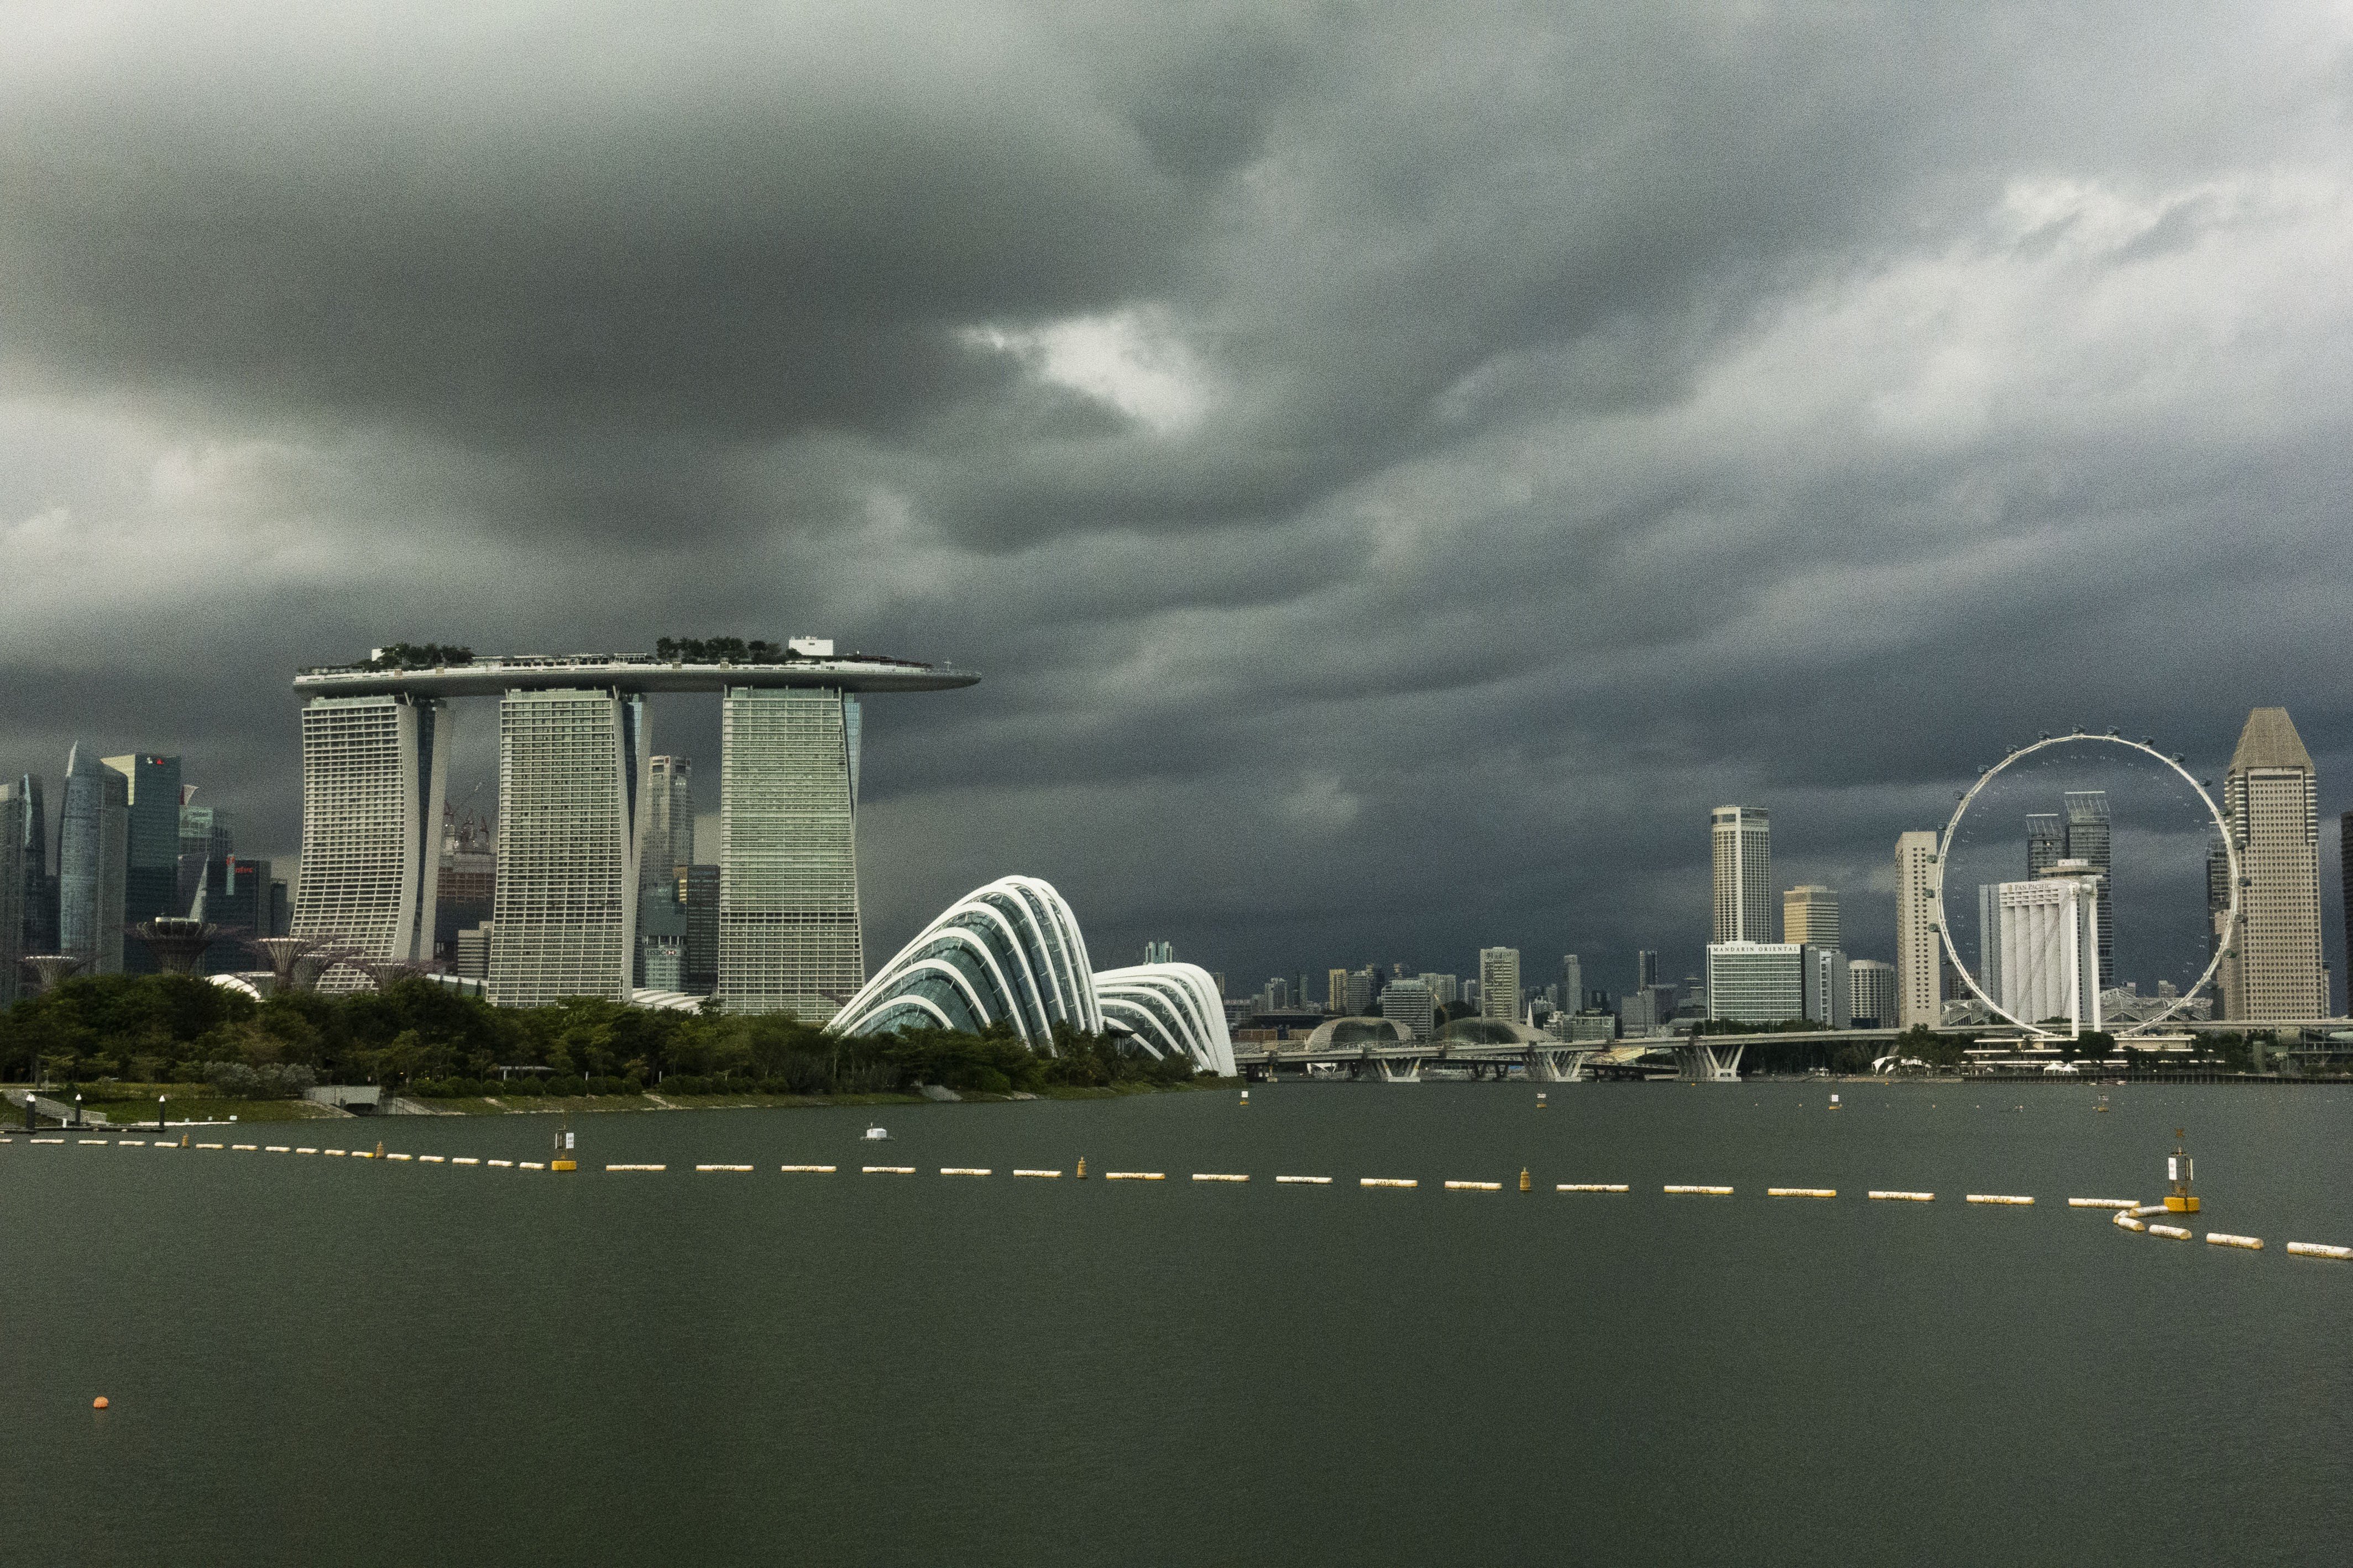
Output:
(575, 810)
(374, 773)
(1012, 952)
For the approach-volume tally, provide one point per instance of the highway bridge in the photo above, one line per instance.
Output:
(1704, 1058)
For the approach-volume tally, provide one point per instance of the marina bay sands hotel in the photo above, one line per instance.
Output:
(574, 805)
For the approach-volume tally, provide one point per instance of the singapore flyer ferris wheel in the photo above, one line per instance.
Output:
(2087, 973)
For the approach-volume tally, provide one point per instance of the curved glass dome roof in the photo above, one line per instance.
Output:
(1012, 952)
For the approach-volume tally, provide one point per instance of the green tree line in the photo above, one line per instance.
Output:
(419, 1037)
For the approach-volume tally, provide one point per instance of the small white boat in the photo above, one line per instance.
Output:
(875, 1134)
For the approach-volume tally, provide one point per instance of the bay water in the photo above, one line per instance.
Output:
(319, 1359)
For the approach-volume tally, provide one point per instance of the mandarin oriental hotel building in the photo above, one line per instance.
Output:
(575, 809)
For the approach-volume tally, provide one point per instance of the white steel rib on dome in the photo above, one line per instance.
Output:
(1010, 950)
(1169, 1008)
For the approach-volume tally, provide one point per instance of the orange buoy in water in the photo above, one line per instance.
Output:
(99, 1403)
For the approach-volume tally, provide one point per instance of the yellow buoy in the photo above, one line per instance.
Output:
(2181, 1169)
(1082, 1168)
(1525, 1185)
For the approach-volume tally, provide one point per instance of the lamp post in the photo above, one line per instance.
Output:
(159, 1112)
(76, 1110)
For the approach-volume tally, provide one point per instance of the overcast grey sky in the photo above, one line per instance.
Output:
(1397, 466)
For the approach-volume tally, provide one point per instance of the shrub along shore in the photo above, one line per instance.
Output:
(123, 1039)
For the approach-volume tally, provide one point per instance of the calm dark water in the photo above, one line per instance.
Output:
(331, 1361)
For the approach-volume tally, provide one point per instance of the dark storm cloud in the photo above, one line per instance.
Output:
(1398, 467)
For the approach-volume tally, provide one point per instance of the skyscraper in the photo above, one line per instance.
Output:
(2091, 838)
(1499, 983)
(1572, 982)
(40, 923)
(93, 853)
(789, 932)
(1743, 847)
(1159, 952)
(1809, 915)
(2345, 874)
(151, 858)
(1918, 954)
(2046, 843)
(669, 821)
(1336, 992)
(374, 774)
(698, 888)
(2270, 797)
(571, 780)
(14, 809)
(1646, 968)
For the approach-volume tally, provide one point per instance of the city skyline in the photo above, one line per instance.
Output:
(1319, 452)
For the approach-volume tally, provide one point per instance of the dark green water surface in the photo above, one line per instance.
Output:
(328, 1360)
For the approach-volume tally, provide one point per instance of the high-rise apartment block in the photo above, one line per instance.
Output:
(789, 932)
(1444, 989)
(374, 776)
(93, 857)
(1743, 855)
(1919, 955)
(1499, 983)
(1871, 993)
(2271, 799)
(572, 776)
(1809, 915)
(1572, 982)
(1336, 992)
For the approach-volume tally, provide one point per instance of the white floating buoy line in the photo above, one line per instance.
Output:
(2126, 1213)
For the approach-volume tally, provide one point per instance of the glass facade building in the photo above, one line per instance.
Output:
(572, 781)
(152, 854)
(93, 857)
(789, 932)
(374, 776)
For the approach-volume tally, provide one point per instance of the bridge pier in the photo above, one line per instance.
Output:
(1701, 1062)
(1406, 1070)
(1563, 1064)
